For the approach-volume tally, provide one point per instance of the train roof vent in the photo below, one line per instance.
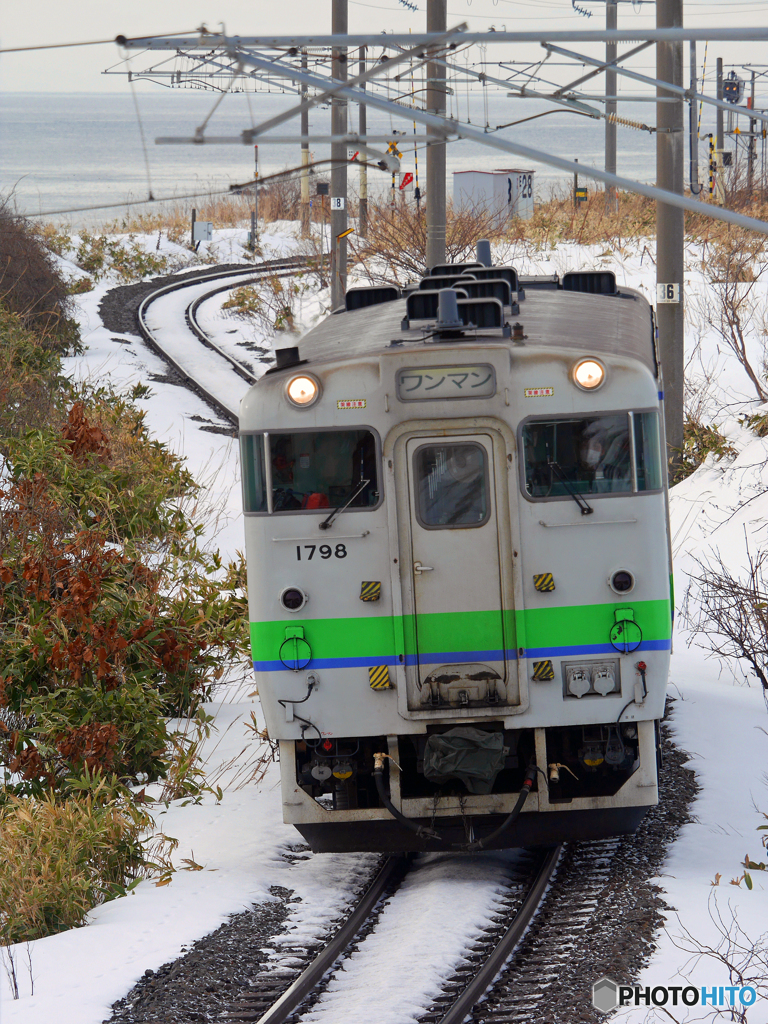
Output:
(444, 281)
(595, 282)
(483, 313)
(548, 283)
(446, 269)
(422, 305)
(488, 288)
(359, 298)
(505, 273)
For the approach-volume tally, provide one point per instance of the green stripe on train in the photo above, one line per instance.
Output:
(461, 631)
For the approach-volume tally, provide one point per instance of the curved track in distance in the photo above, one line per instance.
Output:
(208, 369)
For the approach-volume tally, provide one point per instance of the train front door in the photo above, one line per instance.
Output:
(457, 643)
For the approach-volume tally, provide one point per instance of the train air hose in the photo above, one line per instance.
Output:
(530, 778)
(420, 830)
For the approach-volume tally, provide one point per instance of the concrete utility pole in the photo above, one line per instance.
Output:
(362, 220)
(339, 165)
(670, 229)
(436, 22)
(304, 156)
(719, 139)
(752, 151)
(611, 199)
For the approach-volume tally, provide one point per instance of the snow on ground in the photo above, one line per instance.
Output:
(719, 717)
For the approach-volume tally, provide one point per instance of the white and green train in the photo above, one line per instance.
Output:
(458, 563)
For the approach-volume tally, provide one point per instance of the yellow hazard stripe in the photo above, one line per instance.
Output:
(379, 677)
(544, 581)
(370, 590)
(543, 670)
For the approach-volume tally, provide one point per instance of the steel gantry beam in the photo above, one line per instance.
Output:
(669, 87)
(449, 126)
(668, 35)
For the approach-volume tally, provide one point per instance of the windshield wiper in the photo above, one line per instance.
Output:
(586, 510)
(326, 523)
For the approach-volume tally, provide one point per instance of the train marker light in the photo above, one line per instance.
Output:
(588, 374)
(303, 390)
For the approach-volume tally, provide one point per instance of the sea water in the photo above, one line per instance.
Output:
(97, 149)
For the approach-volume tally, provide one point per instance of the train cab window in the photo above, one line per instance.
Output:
(451, 483)
(310, 471)
(615, 453)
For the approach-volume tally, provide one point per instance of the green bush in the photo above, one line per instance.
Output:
(699, 441)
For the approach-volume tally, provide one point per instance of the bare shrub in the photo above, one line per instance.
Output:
(396, 246)
(729, 612)
(733, 303)
(744, 959)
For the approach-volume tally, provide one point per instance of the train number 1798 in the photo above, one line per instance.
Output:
(324, 550)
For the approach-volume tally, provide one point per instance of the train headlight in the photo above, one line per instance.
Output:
(588, 374)
(303, 390)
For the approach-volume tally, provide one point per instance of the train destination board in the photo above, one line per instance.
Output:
(427, 383)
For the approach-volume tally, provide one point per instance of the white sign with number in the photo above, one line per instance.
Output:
(337, 202)
(667, 292)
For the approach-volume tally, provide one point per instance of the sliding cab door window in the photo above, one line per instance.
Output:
(647, 451)
(254, 479)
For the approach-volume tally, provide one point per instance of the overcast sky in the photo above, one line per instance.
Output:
(36, 22)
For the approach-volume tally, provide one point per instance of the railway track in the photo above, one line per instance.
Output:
(206, 367)
(278, 997)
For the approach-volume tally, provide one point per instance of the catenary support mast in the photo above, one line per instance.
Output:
(670, 229)
(611, 201)
(436, 22)
(339, 165)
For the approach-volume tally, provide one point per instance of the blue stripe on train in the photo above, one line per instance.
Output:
(463, 657)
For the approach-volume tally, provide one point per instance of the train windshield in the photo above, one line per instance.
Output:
(616, 453)
(309, 471)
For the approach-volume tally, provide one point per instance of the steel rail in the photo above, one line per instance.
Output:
(311, 976)
(487, 974)
(252, 273)
(200, 334)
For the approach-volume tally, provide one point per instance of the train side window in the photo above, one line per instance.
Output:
(647, 451)
(451, 483)
(254, 481)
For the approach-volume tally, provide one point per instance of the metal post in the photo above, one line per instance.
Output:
(338, 245)
(670, 228)
(362, 226)
(719, 139)
(611, 199)
(575, 183)
(255, 214)
(693, 130)
(305, 207)
(436, 22)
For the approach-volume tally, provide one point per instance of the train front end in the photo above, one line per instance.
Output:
(458, 571)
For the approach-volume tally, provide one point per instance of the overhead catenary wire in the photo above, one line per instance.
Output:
(232, 190)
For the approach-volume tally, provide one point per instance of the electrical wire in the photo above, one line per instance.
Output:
(90, 42)
(278, 175)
